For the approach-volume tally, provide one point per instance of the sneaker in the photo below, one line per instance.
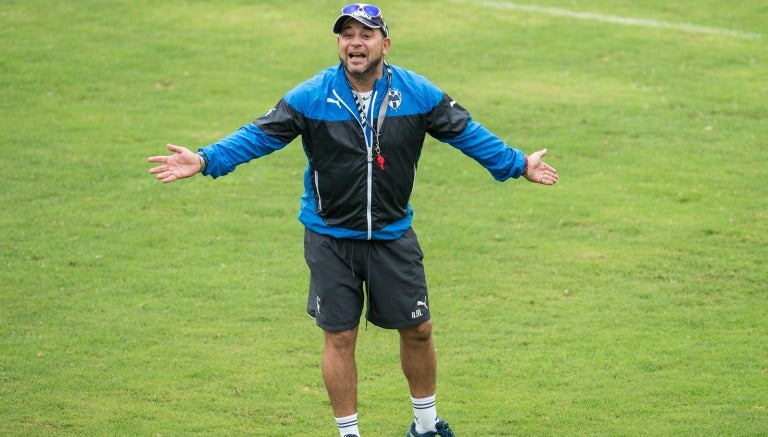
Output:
(443, 430)
(351, 435)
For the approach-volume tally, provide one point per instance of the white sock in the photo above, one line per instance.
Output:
(348, 425)
(425, 413)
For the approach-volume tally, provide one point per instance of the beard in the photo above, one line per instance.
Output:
(369, 68)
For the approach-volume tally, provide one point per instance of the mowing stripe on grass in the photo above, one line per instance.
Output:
(626, 21)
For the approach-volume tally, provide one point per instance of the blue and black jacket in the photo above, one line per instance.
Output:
(347, 195)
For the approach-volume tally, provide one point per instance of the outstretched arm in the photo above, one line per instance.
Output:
(182, 164)
(539, 171)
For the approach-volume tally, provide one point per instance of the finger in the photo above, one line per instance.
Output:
(166, 176)
(175, 149)
(547, 177)
(547, 167)
(158, 169)
(157, 159)
(551, 179)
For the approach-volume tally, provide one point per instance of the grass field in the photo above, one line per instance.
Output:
(628, 300)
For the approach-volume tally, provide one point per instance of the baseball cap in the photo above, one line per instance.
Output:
(368, 15)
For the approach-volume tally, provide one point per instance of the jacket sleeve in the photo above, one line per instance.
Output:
(270, 132)
(452, 124)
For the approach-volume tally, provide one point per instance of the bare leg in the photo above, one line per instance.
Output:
(340, 371)
(417, 357)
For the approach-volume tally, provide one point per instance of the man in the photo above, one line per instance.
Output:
(363, 124)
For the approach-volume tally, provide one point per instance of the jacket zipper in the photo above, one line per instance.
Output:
(369, 159)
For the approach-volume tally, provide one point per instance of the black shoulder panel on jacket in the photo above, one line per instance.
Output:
(448, 119)
(282, 121)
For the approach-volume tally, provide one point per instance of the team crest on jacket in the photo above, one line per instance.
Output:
(395, 99)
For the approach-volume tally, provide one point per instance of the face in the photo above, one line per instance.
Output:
(362, 49)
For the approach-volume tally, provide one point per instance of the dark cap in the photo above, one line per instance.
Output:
(368, 15)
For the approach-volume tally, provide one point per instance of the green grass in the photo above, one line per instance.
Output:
(630, 299)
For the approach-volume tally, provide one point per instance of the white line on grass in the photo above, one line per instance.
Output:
(626, 21)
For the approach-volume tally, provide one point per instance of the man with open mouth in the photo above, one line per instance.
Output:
(362, 125)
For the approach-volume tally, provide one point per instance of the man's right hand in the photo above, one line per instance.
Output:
(182, 164)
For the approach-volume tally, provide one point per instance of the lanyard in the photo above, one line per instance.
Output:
(380, 121)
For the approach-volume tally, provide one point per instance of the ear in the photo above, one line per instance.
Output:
(387, 45)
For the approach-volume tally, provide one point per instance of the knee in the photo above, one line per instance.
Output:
(417, 334)
(344, 340)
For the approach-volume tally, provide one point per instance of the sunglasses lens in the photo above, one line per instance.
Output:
(370, 10)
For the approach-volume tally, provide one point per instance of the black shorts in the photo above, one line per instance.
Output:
(343, 272)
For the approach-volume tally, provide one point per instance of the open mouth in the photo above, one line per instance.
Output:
(357, 56)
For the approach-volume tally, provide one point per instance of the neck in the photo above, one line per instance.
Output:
(364, 82)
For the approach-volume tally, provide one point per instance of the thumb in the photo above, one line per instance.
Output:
(175, 149)
(534, 159)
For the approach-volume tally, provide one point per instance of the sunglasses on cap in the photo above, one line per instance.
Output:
(369, 10)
